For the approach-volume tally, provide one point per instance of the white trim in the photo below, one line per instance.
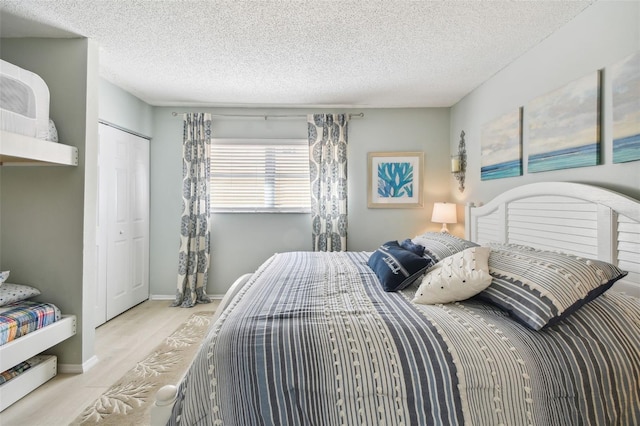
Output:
(78, 368)
(173, 296)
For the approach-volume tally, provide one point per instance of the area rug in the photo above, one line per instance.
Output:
(129, 400)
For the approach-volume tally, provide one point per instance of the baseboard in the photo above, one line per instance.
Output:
(173, 296)
(78, 368)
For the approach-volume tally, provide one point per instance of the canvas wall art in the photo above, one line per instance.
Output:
(501, 147)
(395, 179)
(564, 127)
(625, 78)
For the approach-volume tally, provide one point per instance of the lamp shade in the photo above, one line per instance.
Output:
(444, 213)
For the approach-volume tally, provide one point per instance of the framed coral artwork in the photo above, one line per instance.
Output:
(395, 179)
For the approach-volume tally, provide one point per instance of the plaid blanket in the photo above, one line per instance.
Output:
(20, 318)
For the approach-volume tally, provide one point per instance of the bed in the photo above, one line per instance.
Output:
(27, 329)
(320, 338)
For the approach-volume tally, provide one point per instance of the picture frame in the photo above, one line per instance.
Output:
(564, 126)
(395, 180)
(501, 146)
(625, 81)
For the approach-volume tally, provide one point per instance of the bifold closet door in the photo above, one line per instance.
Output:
(123, 222)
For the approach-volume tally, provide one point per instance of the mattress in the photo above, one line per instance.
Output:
(24, 102)
(20, 318)
(313, 339)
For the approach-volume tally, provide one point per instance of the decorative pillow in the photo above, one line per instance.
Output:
(3, 276)
(456, 278)
(10, 293)
(438, 245)
(412, 247)
(539, 288)
(396, 267)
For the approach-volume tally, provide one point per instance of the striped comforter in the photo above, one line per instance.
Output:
(313, 339)
(20, 318)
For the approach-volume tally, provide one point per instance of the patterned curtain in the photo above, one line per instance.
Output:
(193, 260)
(328, 170)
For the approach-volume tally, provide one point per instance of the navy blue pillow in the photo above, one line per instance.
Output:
(412, 247)
(396, 267)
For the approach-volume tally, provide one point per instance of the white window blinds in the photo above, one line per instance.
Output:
(260, 175)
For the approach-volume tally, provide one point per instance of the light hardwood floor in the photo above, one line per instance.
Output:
(120, 343)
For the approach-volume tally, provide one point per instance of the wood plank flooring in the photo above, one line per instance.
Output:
(120, 343)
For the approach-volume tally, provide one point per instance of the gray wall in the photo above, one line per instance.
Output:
(32, 199)
(47, 231)
(605, 33)
(241, 242)
(116, 106)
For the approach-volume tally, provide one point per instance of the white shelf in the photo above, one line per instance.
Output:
(16, 351)
(29, 380)
(20, 150)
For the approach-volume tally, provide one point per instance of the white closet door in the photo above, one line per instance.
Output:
(123, 241)
(139, 220)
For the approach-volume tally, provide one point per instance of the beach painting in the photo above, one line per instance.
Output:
(564, 127)
(625, 77)
(501, 147)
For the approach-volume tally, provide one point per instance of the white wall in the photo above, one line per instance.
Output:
(600, 36)
(241, 242)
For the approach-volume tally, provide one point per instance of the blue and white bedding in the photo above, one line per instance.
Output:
(314, 339)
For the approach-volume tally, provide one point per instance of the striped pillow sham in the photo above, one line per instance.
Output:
(439, 245)
(539, 288)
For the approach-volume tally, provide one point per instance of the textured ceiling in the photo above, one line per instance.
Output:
(296, 53)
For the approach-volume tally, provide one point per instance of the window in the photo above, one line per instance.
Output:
(260, 175)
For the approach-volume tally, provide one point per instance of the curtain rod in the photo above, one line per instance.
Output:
(267, 116)
(131, 132)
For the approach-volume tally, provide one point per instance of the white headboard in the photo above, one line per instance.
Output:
(575, 218)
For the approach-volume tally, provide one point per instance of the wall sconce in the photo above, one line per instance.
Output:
(459, 163)
(444, 213)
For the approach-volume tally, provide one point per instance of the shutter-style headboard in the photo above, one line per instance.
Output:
(580, 219)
